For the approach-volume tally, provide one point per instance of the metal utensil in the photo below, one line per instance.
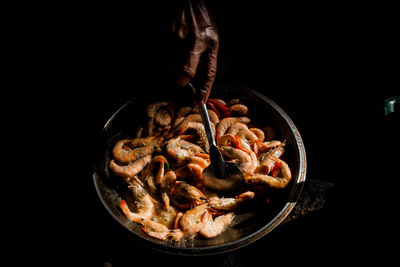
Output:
(220, 175)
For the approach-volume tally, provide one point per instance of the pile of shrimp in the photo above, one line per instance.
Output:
(162, 167)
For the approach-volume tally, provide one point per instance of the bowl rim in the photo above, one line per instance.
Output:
(229, 246)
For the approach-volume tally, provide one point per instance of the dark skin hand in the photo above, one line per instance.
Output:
(195, 53)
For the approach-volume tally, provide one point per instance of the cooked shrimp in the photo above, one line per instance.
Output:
(151, 114)
(266, 159)
(215, 227)
(182, 112)
(239, 109)
(181, 150)
(268, 145)
(197, 173)
(211, 114)
(241, 158)
(145, 204)
(199, 127)
(273, 182)
(194, 220)
(229, 203)
(124, 155)
(254, 163)
(259, 133)
(233, 102)
(131, 169)
(155, 229)
(189, 192)
(203, 163)
(163, 118)
(224, 124)
(146, 141)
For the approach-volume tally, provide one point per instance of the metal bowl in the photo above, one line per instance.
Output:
(251, 221)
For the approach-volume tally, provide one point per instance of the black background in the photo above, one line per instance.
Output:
(329, 67)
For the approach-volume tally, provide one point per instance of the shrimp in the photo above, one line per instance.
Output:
(189, 192)
(243, 131)
(155, 229)
(229, 203)
(145, 204)
(181, 150)
(239, 109)
(224, 124)
(146, 141)
(123, 155)
(166, 181)
(199, 127)
(197, 173)
(254, 163)
(211, 114)
(215, 227)
(259, 133)
(131, 169)
(151, 114)
(163, 118)
(193, 220)
(273, 182)
(268, 145)
(242, 159)
(203, 163)
(266, 160)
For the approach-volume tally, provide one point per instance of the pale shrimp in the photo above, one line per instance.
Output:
(233, 102)
(123, 154)
(131, 169)
(188, 192)
(241, 130)
(266, 159)
(166, 182)
(230, 203)
(197, 174)
(163, 117)
(203, 163)
(273, 182)
(211, 114)
(146, 141)
(167, 185)
(183, 112)
(199, 128)
(224, 124)
(215, 227)
(240, 157)
(155, 229)
(259, 133)
(181, 150)
(193, 220)
(145, 204)
(239, 109)
(254, 163)
(149, 175)
(151, 114)
(268, 145)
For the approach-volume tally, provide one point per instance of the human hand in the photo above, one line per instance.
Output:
(196, 50)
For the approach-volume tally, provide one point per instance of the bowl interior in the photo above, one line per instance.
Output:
(251, 221)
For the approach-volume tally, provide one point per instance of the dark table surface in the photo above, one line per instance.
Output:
(330, 74)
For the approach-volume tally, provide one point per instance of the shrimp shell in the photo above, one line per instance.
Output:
(131, 169)
(224, 124)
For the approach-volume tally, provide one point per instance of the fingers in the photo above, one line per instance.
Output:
(190, 66)
(206, 75)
